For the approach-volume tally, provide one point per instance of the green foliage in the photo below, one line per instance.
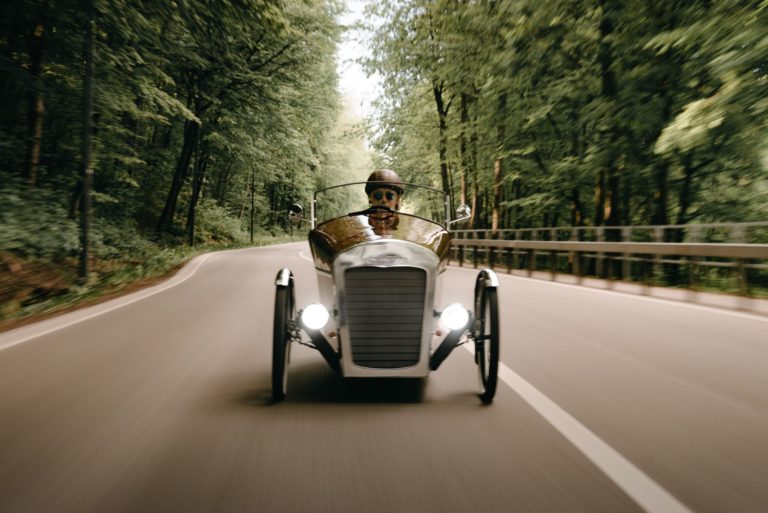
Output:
(217, 224)
(210, 114)
(120, 241)
(258, 79)
(34, 223)
(596, 112)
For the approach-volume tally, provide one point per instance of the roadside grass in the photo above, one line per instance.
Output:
(34, 289)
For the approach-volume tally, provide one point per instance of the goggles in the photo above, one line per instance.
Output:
(378, 195)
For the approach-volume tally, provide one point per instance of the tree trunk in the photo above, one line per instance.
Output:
(686, 192)
(36, 99)
(463, 146)
(661, 167)
(672, 272)
(614, 197)
(577, 208)
(253, 202)
(498, 169)
(87, 171)
(201, 162)
(608, 200)
(626, 202)
(599, 198)
(473, 141)
(442, 113)
(222, 184)
(614, 216)
(191, 133)
(661, 195)
(75, 199)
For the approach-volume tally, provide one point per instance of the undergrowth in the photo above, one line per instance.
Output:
(39, 250)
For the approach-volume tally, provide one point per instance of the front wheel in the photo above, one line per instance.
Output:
(281, 339)
(486, 336)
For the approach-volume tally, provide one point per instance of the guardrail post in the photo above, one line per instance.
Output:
(600, 256)
(626, 264)
(693, 261)
(738, 234)
(552, 257)
(491, 254)
(693, 273)
(475, 249)
(532, 257)
(657, 271)
(576, 256)
(743, 277)
(515, 262)
(508, 256)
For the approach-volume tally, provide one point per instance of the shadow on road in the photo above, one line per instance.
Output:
(315, 383)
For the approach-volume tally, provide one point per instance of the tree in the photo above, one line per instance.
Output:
(632, 111)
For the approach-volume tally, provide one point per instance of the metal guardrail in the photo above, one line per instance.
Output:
(754, 232)
(754, 251)
(616, 252)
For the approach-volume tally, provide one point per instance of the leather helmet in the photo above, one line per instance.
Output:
(384, 178)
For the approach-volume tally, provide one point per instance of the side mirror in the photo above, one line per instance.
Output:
(295, 214)
(463, 213)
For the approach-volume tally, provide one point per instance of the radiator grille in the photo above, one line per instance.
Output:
(384, 312)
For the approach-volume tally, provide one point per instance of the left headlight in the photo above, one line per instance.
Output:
(454, 317)
(314, 316)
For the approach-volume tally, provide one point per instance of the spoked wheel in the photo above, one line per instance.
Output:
(281, 340)
(486, 336)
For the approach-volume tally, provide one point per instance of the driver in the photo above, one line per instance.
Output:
(384, 188)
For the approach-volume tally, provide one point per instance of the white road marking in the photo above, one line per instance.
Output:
(646, 492)
(683, 304)
(26, 333)
(39, 329)
(641, 488)
(306, 255)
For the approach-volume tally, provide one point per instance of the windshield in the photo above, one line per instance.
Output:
(416, 200)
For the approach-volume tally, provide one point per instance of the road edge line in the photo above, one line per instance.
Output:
(643, 490)
(44, 327)
(48, 326)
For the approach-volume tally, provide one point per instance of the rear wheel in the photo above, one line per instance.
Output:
(281, 338)
(486, 336)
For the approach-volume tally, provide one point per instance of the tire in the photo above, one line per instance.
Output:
(281, 339)
(486, 336)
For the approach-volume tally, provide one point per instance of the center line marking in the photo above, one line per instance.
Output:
(305, 255)
(646, 492)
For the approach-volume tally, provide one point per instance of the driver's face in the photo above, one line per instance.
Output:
(383, 197)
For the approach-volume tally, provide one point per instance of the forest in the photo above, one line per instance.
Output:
(574, 113)
(207, 120)
(165, 128)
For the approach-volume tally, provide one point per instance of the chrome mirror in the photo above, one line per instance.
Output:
(295, 214)
(463, 213)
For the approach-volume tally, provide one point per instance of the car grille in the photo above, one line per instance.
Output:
(384, 312)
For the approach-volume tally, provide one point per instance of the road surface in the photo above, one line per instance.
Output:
(159, 401)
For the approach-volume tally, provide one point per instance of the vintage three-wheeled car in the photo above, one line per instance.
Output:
(379, 267)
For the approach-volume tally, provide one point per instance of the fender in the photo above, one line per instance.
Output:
(489, 278)
(284, 278)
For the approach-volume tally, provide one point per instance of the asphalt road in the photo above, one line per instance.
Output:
(608, 403)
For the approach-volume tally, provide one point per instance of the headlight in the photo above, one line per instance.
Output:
(454, 317)
(314, 316)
